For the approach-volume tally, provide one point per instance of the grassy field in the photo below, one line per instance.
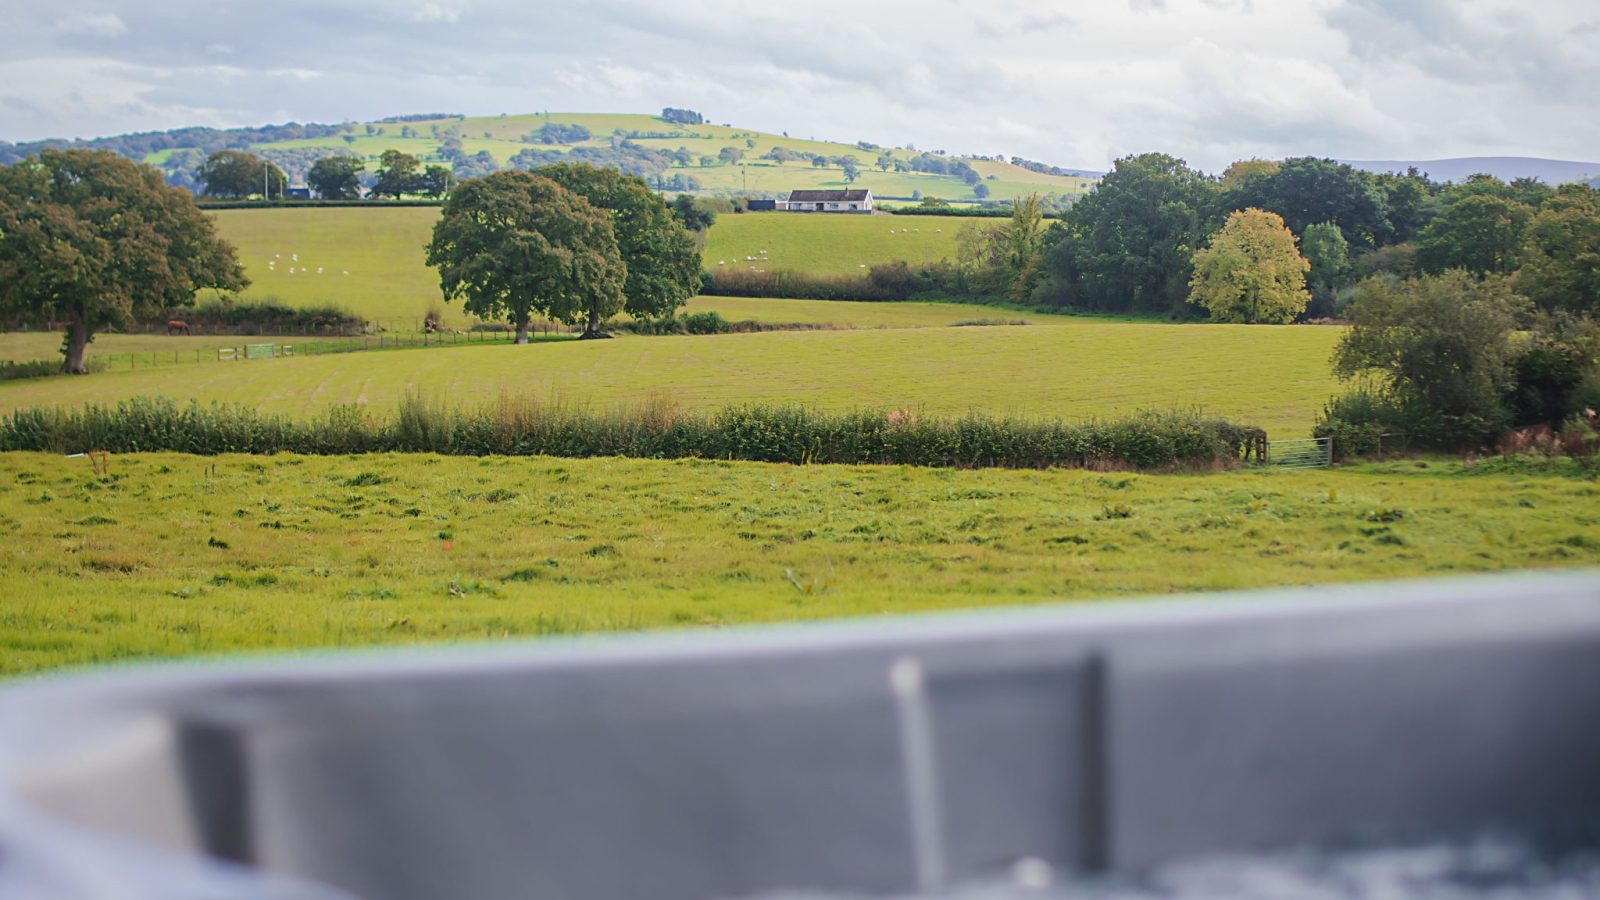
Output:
(372, 258)
(823, 244)
(1276, 377)
(174, 555)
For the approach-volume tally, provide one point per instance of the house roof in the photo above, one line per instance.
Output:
(857, 194)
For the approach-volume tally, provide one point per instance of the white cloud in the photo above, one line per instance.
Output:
(1075, 85)
(101, 25)
(433, 12)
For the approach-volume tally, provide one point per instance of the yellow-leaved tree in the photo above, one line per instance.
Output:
(1252, 271)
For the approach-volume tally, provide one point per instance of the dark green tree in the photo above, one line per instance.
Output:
(1324, 247)
(663, 262)
(1438, 344)
(336, 177)
(96, 239)
(1307, 190)
(851, 173)
(234, 174)
(1561, 252)
(513, 243)
(435, 181)
(1129, 244)
(397, 175)
(691, 215)
(1479, 232)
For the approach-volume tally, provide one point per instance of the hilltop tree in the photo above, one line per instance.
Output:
(234, 174)
(513, 243)
(336, 177)
(397, 175)
(1251, 272)
(730, 155)
(663, 262)
(97, 239)
(851, 173)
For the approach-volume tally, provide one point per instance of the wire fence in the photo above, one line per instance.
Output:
(253, 347)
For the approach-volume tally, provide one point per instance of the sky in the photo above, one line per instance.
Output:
(1075, 84)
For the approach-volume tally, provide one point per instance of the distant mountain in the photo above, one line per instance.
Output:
(1505, 168)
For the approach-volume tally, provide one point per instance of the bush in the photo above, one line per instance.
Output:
(1368, 421)
(653, 429)
(38, 368)
(267, 315)
(883, 283)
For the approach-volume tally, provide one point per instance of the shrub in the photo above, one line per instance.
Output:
(267, 315)
(1367, 420)
(38, 368)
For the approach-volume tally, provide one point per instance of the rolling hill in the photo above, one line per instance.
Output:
(1505, 168)
(702, 158)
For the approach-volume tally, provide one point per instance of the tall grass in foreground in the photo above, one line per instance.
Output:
(654, 428)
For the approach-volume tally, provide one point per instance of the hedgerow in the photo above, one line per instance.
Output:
(652, 429)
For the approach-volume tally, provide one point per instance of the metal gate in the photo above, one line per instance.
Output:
(1300, 453)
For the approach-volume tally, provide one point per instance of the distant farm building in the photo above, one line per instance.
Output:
(761, 205)
(297, 193)
(847, 201)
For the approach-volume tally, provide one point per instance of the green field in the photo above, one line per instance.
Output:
(824, 244)
(502, 138)
(174, 555)
(1276, 377)
(387, 282)
(380, 249)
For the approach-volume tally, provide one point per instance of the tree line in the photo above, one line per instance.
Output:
(99, 241)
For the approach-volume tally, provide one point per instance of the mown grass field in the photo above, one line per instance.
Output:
(1276, 377)
(174, 555)
(826, 244)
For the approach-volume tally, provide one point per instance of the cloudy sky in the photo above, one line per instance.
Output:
(1072, 83)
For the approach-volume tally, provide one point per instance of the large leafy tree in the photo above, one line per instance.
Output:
(1252, 272)
(1306, 190)
(663, 262)
(513, 243)
(397, 174)
(336, 177)
(1479, 232)
(1021, 239)
(1438, 343)
(234, 174)
(1561, 252)
(1129, 244)
(1324, 247)
(435, 181)
(96, 239)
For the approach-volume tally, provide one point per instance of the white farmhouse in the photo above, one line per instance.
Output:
(857, 200)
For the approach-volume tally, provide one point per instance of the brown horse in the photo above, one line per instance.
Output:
(177, 326)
